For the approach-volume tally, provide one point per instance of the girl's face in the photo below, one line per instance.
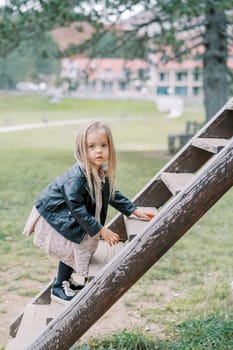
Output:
(97, 148)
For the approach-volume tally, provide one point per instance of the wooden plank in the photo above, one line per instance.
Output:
(43, 297)
(102, 256)
(155, 194)
(173, 221)
(188, 160)
(220, 127)
(176, 182)
(213, 145)
(117, 225)
(135, 226)
(33, 323)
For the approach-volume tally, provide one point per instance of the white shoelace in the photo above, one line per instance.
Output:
(68, 291)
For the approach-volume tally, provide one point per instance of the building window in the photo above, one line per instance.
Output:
(127, 74)
(142, 74)
(107, 72)
(181, 90)
(162, 90)
(107, 75)
(163, 76)
(122, 85)
(196, 75)
(181, 76)
(196, 90)
(91, 85)
(106, 85)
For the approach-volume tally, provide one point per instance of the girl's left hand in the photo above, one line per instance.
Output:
(143, 215)
(109, 236)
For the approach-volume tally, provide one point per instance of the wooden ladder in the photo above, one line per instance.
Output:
(42, 310)
(191, 183)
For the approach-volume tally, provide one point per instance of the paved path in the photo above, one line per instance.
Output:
(22, 127)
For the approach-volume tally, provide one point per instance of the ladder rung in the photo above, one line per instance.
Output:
(33, 322)
(175, 182)
(102, 256)
(134, 225)
(213, 145)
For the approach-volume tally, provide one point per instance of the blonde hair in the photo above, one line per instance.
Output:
(80, 152)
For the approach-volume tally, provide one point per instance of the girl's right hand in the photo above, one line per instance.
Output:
(109, 236)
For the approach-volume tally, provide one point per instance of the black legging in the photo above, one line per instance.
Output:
(64, 273)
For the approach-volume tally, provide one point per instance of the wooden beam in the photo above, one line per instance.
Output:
(140, 254)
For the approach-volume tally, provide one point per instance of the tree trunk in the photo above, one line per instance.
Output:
(215, 60)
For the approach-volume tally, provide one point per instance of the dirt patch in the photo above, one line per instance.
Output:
(132, 311)
(12, 303)
(115, 319)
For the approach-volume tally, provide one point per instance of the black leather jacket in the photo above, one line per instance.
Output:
(67, 206)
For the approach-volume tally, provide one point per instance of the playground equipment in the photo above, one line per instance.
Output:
(183, 191)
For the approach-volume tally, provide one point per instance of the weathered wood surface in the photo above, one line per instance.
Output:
(103, 254)
(117, 225)
(140, 254)
(188, 160)
(154, 194)
(43, 297)
(33, 323)
(209, 144)
(134, 225)
(220, 127)
(176, 182)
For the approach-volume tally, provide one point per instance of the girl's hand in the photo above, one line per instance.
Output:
(143, 215)
(109, 236)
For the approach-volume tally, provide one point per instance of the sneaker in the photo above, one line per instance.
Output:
(62, 293)
(77, 286)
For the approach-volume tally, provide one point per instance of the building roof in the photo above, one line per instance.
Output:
(76, 33)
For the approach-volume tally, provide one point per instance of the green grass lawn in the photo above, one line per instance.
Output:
(136, 125)
(198, 269)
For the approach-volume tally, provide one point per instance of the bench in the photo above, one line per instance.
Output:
(177, 141)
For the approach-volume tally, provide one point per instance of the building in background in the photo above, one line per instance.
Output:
(83, 75)
(116, 75)
(104, 75)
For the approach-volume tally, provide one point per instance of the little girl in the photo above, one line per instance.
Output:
(68, 216)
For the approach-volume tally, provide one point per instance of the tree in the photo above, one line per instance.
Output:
(178, 29)
(29, 60)
(22, 20)
(200, 28)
